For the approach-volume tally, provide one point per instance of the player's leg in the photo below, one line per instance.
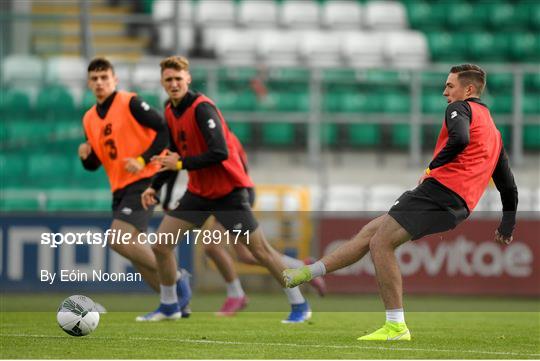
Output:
(271, 260)
(388, 237)
(236, 298)
(169, 308)
(140, 255)
(347, 254)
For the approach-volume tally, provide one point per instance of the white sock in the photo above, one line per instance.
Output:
(168, 294)
(291, 262)
(234, 289)
(396, 315)
(317, 269)
(294, 295)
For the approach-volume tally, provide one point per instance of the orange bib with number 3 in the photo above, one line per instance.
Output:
(116, 137)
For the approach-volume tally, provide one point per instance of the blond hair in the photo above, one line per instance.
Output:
(175, 62)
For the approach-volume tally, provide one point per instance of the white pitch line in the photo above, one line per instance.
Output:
(283, 344)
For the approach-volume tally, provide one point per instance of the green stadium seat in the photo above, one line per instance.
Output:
(242, 130)
(500, 82)
(83, 178)
(487, 47)
(461, 15)
(434, 103)
(534, 16)
(401, 135)
(199, 79)
(329, 133)
(363, 134)
(49, 170)
(430, 134)
(287, 102)
(506, 134)
(423, 15)
(396, 103)
(360, 102)
(279, 133)
(531, 104)
(433, 80)
(88, 100)
(14, 105)
(24, 131)
(531, 136)
(524, 47)
(532, 82)
(55, 103)
(447, 47)
(13, 170)
(504, 16)
(234, 101)
(503, 104)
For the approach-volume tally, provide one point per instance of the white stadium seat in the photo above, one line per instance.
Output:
(18, 69)
(70, 71)
(363, 49)
(278, 48)
(321, 49)
(385, 15)
(215, 13)
(257, 13)
(236, 47)
(342, 14)
(406, 49)
(146, 76)
(300, 14)
(164, 9)
(185, 37)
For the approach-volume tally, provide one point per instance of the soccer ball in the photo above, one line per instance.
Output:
(77, 315)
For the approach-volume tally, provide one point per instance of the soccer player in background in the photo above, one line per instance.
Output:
(123, 133)
(236, 298)
(217, 186)
(469, 151)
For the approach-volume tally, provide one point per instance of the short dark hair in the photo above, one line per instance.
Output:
(100, 64)
(471, 74)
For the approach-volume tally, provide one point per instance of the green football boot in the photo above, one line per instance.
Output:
(296, 276)
(391, 331)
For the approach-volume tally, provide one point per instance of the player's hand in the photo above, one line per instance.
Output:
(499, 238)
(84, 150)
(133, 165)
(149, 198)
(169, 161)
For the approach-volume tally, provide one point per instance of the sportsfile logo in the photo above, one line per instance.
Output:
(458, 257)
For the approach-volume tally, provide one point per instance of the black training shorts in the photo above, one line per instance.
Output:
(127, 205)
(429, 208)
(233, 211)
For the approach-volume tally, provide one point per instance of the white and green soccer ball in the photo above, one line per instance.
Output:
(78, 316)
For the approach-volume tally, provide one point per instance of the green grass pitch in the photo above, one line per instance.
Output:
(449, 328)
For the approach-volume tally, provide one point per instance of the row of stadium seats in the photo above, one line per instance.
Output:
(496, 15)
(287, 14)
(57, 105)
(29, 165)
(490, 15)
(458, 31)
(405, 48)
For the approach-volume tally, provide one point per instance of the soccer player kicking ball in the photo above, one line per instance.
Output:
(217, 185)
(469, 151)
(123, 133)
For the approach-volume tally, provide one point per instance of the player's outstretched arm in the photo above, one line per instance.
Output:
(506, 185)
